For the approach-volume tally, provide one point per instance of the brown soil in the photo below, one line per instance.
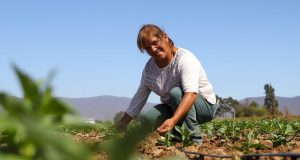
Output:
(151, 149)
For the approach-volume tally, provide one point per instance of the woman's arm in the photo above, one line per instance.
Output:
(184, 107)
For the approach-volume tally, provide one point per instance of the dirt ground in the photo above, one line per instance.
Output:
(151, 149)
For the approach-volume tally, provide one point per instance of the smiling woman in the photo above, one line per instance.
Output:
(178, 77)
(157, 44)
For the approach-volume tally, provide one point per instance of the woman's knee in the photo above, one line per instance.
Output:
(204, 117)
(176, 94)
(156, 115)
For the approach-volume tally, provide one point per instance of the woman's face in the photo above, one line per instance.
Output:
(157, 47)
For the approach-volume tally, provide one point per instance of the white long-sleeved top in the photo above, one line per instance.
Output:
(185, 71)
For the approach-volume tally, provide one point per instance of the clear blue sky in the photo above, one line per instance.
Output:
(92, 44)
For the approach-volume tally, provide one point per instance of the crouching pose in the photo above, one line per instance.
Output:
(178, 77)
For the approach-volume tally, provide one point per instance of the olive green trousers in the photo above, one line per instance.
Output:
(202, 111)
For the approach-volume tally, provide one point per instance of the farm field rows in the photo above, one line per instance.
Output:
(220, 137)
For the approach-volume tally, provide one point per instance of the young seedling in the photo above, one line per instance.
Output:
(248, 144)
(185, 135)
(283, 133)
(167, 139)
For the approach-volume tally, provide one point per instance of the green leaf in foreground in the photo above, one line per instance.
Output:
(28, 125)
(124, 147)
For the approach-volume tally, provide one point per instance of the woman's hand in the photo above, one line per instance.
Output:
(168, 125)
(121, 125)
(184, 107)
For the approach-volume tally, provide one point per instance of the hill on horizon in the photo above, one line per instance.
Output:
(101, 107)
(105, 107)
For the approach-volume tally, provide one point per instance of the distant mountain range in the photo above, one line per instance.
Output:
(101, 107)
(105, 107)
(292, 104)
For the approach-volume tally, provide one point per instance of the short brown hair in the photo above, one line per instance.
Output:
(150, 30)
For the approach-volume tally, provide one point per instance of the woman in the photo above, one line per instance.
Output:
(178, 78)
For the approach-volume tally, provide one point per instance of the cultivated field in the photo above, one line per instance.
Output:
(220, 137)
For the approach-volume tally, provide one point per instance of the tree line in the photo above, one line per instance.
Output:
(250, 108)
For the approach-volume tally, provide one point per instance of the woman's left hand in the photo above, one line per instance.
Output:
(184, 107)
(168, 125)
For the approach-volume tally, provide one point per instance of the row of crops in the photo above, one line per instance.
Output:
(254, 133)
(247, 136)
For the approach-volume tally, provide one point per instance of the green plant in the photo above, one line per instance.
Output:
(284, 130)
(123, 147)
(167, 139)
(28, 124)
(186, 135)
(248, 144)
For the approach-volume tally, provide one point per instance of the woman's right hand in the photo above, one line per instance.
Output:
(121, 125)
